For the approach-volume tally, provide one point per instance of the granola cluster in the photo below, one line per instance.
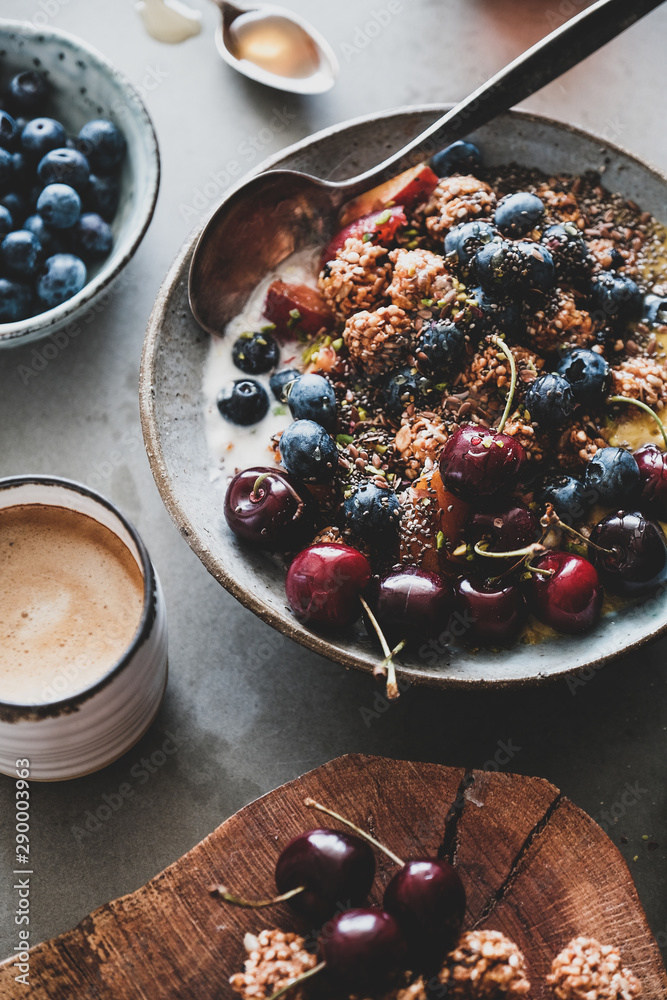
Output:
(378, 341)
(274, 959)
(485, 965)
(418, 276)
(560, 323)
(455, 200)
(641, 378)
(489, 370)
(419, 442)
(588, 970)
(356, 279)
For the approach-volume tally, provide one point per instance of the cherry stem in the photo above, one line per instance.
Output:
(312, 804)
(258, 483)
(647, 409)
(221, 892)
(529, 550)
(551, 520)
(376, 625)
(499, 342)
(298, 980)
(389, 668)
(537, 570)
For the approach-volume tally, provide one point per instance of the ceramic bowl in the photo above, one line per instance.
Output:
(87, 86)
(65, 736)
(173, 413)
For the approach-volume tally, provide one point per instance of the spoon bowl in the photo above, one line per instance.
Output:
(275, 47)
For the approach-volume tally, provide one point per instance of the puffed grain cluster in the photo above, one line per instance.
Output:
(455, 200)
(643, 379)
(418, 443)
(560, 324)
(274, 958)
(489, 369)
(418, 275)
(588, 970)
(356, 279)
(484, 965)
(378, 341)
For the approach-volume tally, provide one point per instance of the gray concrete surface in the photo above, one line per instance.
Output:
(246, 709)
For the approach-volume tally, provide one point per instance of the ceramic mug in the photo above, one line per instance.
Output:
(70, 735)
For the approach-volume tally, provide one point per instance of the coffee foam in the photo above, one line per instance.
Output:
(71, 599)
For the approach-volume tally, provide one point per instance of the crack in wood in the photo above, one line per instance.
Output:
(450, 843)
(534, 834)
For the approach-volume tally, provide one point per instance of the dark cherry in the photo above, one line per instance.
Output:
(570, 601)
(494, 612)
(477, 463)
(270, 509)
(336, 868)
(362, 949)
(637, 563)
(411, 603)
(652, 463)
(505, 524)
(428, 900)
(324, 582)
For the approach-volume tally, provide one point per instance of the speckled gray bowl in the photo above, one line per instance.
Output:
(87, 86)
(172, 412)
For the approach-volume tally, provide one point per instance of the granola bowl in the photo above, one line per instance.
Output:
(174, 417)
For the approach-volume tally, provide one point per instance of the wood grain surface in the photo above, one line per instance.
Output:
(534, 866)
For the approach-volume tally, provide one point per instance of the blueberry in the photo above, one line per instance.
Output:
(22, 175)
(42, 135)
(102, 143)
(51, 240)
(64, 166)
(101, 195)
(244, 402)
(462, 242)
(568, 250)
(568, 497)
(498, 265)
(654, 311)
(459, 158)
(20, 254)
(6, 221)
(588, 373)
(617, 295)
(280, 380)
(309, 452)
(16, 205)
(62, 276)
(550, 401)
(402, 387)
(612, 477)
(373, 513)
(536, 267)
(27, 91)
(255, 353)
(8, 131)
(59, 205)
(93, 238)
(487, 314)
(311, 397)
(15, 301)
(439, 346)
(6, 169)
(519, 213)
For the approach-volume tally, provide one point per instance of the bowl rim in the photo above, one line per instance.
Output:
(38, 326)
(318, 642)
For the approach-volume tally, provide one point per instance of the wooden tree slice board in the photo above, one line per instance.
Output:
(534, 866)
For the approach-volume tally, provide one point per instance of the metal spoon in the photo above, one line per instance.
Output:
(278, 212)
(275, 47)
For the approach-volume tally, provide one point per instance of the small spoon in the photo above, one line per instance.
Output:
(275, 47)
(279, 212)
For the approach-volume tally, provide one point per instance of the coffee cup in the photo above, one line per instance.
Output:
(83, 634)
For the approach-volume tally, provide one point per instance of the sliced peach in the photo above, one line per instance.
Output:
(380, 226)
(294, 308)
(408, 189)
(431, 509)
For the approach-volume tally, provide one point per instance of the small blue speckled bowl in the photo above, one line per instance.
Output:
(87, 86)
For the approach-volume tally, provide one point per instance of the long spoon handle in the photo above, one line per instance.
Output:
(559, 51)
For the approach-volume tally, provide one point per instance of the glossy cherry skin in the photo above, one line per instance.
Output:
(505, 524)
(428, 900)
(362, 949)
(411, 603)
(652, 462)
(477, 463)
(278, 516)
(324, 582)
(638, 560)
(570, 601)
(494, 613)
(336, 868)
